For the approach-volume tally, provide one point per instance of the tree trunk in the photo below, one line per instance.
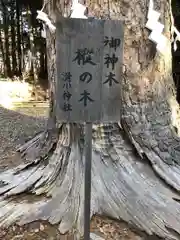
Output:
(135, 163)
(13, 40)
(18, 23)
(42, 58)
(2, 53)
(42, 62)
(34, 70)
(6, 39)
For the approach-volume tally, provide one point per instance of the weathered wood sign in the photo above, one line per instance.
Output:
(89, 56)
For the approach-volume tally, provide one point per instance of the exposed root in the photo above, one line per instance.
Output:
(122, 186)
(39, 147)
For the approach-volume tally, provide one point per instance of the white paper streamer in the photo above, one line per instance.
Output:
(78, 10)
(177, 38)
(157, 28)
(151, 6)
(44, 17)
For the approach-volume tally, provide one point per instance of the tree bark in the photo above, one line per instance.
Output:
(2, 52)
(135, 163)
(6, 39)
(19, 39)
(13, 40)
(34, 70)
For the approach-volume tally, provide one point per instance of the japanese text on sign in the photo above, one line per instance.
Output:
(89, 61)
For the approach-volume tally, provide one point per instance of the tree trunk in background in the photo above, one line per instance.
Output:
(13, 40)
(23, 48)
(19, 38)
(34, 70)
(13, 46)
(6, 39)
(2, 53)
(42, 58)
(124, 184)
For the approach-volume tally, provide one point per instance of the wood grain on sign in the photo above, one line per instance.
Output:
(88, 88)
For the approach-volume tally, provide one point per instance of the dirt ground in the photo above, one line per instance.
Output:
(16, 127)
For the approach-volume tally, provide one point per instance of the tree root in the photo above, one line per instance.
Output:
(122, 186)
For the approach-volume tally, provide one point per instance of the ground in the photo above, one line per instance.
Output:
(17, 126)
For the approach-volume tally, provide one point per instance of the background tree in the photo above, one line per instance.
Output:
(135, 168)
(22, 45)
(6, 19)
(19, 39)
(13, 38)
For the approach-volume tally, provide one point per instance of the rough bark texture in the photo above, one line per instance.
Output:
(19, 50)
(13, 40)
(135, 166)
(6, 37)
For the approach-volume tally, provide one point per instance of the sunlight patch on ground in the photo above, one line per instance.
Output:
(15, 91)
(17, 96)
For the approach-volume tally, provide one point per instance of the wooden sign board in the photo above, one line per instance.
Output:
(89, 56)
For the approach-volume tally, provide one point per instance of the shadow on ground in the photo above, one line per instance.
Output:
(16, 128)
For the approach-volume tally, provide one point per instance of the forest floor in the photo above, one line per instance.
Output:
(17, 126)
